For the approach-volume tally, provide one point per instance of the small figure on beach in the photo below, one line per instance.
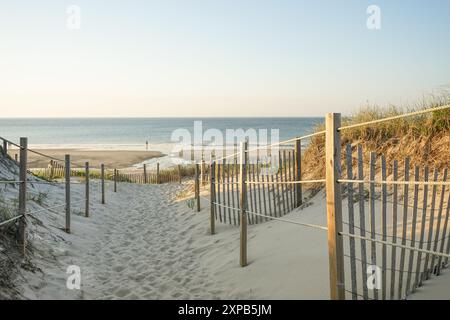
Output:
(146, 145)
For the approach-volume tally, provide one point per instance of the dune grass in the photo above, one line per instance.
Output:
(424, 138)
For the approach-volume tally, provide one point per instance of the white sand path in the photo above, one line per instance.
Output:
(144, 249)
(150, 247)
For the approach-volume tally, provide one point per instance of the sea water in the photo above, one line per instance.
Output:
(133, 133)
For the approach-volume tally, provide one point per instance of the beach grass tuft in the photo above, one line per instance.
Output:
(424, 138)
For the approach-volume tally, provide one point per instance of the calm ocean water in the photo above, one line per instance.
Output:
(132, 133)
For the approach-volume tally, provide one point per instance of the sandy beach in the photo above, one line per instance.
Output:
(111, 158)
(144, 243)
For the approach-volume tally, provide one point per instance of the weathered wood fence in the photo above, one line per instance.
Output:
(412, 212)
(56, 170)
(387, 236)
(61, 168)
(271, 189)
(61, 172)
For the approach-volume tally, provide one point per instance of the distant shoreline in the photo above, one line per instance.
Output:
(117, 159)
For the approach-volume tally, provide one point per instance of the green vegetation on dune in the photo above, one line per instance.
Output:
(424, 138)
(125, 175)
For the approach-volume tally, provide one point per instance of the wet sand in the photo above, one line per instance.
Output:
(110, 158)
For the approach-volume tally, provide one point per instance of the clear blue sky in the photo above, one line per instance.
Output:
(219, 57)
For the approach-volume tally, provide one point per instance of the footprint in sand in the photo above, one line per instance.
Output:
(121, 293)
(119, 268)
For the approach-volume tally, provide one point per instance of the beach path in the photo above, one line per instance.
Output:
(143, 249)
(145, 244)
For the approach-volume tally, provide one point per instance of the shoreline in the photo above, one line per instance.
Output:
(118, 159)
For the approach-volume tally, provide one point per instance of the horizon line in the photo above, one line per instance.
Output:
(161, 117)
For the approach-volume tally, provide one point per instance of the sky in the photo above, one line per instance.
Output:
(192, 58)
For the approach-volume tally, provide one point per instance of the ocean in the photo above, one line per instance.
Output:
(133, 133)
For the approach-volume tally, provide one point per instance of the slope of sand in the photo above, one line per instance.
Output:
(111, 158)
(145, 245)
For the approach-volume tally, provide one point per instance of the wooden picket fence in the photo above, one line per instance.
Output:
(56, 170)
(382, 245)
(271, 195)
(399, 210)
(60, 172)
(149, 177)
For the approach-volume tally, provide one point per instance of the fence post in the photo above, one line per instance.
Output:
(102, 176)
(145, 174)
(158, 181)
(87, 190)
(5, 148)
(334, 206)
(298, 173)
(197, 186)
(202, 170)
(52, 170)
(212, 219)
(115, 180)
(243, 203)
(179, 173)
(67, 176)
(23, 194)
